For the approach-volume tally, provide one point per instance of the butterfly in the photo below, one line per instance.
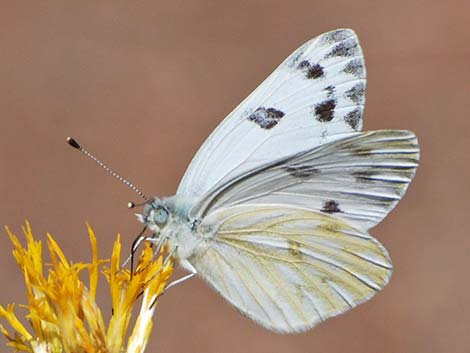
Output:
(274, 210)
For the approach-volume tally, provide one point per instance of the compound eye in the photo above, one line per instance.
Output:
(160, 216)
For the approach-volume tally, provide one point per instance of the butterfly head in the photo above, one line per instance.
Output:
(155, 215)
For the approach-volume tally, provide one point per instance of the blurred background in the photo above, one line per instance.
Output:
(142, 83)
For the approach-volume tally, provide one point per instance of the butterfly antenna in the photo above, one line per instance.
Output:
(130, 204)
(72, 142)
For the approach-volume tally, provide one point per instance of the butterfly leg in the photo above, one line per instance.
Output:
(180, 280)
(135, 245)
(192, 273)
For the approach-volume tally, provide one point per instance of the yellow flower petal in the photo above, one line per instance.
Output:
(62, 310)
(10, 316)
(94, 268)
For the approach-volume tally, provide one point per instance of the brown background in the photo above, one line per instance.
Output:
(142, 83)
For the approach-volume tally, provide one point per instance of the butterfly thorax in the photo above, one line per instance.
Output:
(169, 219)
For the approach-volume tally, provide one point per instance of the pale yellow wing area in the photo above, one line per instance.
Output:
(289, 268)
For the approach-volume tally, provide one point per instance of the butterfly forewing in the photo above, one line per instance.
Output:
(289, 268)
(316, 93)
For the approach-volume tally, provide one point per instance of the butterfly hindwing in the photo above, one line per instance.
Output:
(288, 268)
(316, 93)
(358, 178)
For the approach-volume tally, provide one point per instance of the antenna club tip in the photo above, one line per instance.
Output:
(72, 142)
(130, 205)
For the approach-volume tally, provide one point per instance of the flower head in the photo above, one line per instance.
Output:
(62, 310)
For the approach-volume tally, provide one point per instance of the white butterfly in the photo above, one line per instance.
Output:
(274, 210)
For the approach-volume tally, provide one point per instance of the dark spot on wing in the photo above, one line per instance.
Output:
(336, 36)
(301, 171)
(266, 118)
(355, 67)
(311, 71)
(315, 71)
(331, 206)
(353, 118)
(344, 49)
(356, 93)
(330, 91)
(304, 64)
(324, 111)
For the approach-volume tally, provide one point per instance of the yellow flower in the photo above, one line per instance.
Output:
(62, 310)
